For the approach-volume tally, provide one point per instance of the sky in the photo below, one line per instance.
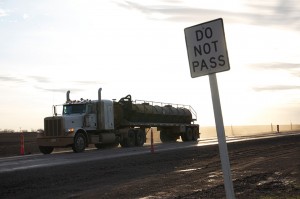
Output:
(138, 47)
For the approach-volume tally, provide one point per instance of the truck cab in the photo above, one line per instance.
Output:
(84, 115)
(80, 123)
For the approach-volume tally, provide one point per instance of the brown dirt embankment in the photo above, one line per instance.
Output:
(10, 143)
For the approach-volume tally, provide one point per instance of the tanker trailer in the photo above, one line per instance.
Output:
(172, 120)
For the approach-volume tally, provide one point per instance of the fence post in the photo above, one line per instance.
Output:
(22, 143)
(152, 147)
(271, 128)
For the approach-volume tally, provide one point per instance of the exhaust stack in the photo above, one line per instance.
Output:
(68, 96)
(99, 116)
(99, 94)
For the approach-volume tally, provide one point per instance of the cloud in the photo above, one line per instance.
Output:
(291, 68)
(296, 73)
(277, 88)
(3, 13)
(174, 10)
(43, 79)
(46, 84)
(277, 65)
(58, 90)
(26, 79)
(40, 79)
(11, 79)
(283, 13)
(87, 82)
(25, 16)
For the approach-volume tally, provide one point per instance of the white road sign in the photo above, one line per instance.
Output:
(207, 52)
(206, 47)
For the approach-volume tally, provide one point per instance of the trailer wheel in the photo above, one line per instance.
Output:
(188, 135)
(167, 136)
(195, 134)
(163, 136)
(46, 149)
(129, 140)
(140, 137)
(183, 137)
(79, 143)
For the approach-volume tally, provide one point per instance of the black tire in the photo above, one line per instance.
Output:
(129, 139)
(167, 136)
(188, 135)
(195, 134)
(79, 143)
(123, 142)
(117, 142)
(183, 137)
(163, 136)
(140, 137)
(46, 149)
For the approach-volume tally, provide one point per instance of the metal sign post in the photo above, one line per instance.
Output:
(221, 136)
(207, 53)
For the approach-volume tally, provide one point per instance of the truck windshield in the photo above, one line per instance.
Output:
(73, 109)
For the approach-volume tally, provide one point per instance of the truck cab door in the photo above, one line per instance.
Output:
(90, 119)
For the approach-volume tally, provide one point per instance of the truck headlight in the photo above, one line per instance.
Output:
(71, 130)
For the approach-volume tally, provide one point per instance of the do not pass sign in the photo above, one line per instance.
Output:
(206, 48)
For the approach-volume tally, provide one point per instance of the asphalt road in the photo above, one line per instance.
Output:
(95, 173)
(9, 164)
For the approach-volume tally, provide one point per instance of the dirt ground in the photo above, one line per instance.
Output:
(263, 169)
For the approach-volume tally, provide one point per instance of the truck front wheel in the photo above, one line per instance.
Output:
(46, 149)
(79, 143)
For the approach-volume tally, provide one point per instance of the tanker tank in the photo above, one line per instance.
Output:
(150, 113)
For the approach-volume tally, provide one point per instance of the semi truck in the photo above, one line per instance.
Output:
(110, 123)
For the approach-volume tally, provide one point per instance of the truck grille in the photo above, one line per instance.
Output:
(53, 126)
